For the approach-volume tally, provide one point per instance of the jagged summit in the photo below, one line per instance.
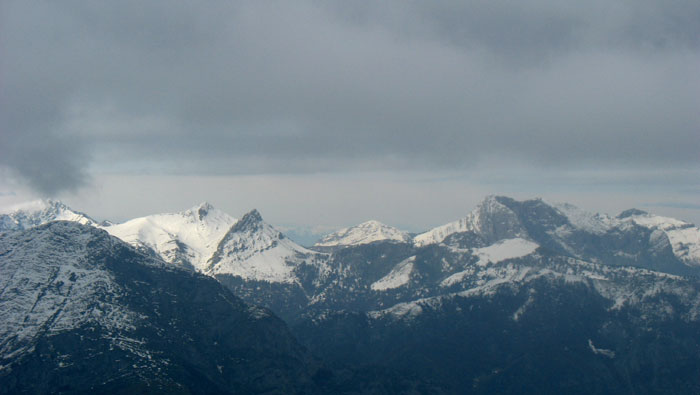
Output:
(39, 212)
(364, 233)
(500, 217)
(206, 205)
(201, 210)
(254, 215)
(254, 250)
(492, 218)
(250, 221)
(192, 237)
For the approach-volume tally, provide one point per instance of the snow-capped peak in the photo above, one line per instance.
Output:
(187, 237)
(364, 233)
(254, 250)
(490, 218)
(38, 212)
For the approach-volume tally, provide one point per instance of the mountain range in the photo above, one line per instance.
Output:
(84, 312)
(516, 296)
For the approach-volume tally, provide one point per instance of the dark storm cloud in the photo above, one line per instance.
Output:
(250, 87)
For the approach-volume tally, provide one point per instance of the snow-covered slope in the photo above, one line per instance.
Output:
(188, 237)
(39, 212)
(254, 250)
(364, 233)
(49, 284)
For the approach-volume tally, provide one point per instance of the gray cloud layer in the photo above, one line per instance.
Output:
(251, 87)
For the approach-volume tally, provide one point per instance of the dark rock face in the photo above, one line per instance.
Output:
(250, 222)
(186, 333)
(286, 300)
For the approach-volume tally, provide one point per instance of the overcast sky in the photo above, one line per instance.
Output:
(327, 113)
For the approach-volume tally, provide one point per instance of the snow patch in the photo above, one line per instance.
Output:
(398, 276)
(505, 249)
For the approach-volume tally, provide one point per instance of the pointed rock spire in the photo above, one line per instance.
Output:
(250, 221)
